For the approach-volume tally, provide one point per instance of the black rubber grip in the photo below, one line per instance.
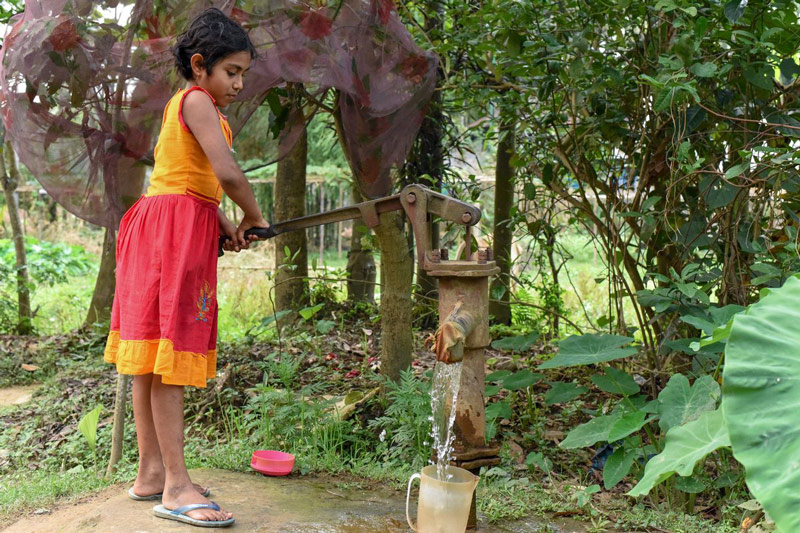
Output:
(261, 233)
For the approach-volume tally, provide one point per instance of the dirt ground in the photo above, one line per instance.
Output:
(260, 504)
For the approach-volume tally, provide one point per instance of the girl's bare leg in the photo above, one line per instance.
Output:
(151, 476)
(167, 409)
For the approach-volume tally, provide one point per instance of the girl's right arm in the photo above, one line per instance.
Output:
(200, 115)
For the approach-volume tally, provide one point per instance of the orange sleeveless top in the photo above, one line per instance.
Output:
(181, 165)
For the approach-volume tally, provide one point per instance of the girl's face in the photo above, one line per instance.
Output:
(226, 78)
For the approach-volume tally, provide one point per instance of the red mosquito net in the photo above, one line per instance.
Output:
(83, 86)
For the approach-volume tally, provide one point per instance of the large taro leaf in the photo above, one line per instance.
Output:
(617, 466)
(561, 392)
(680, 402)
(616, 382)
(589, 349)
(593, 431)
(684, 447)
(761, 396)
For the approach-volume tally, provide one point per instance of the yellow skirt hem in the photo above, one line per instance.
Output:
(158, 356)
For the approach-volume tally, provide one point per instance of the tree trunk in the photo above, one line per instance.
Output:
(291, 271)
(10, 181)
(360, 263)
(396, 272)
(503, 232)
(103, 295)
(427, 158)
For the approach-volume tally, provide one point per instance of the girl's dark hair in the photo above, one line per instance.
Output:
(214, 36)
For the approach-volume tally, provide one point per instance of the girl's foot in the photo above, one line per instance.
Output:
(148, 485)
(178, 496)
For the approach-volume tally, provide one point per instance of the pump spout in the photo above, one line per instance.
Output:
(452, 334)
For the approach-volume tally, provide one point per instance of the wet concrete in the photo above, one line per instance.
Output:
(260, 504)
(17, 395)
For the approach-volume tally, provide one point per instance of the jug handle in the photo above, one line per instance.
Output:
(408, 499)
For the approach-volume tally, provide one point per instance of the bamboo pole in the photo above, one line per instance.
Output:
(117, 436)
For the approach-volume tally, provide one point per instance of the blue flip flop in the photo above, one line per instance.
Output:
(179, 515)
(156, 497)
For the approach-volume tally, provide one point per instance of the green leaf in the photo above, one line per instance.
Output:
(700, 323)
(789, 69)
(760, 398)
(266, 321)
(703, 70)
(617, 466)
(584, 496)
(499, 410)
(562, 392)
(723, 315)
(616, 382)
(537, 459)
(88, 426)
(666, 5)
(521, 380)
(324, 326)
(734, 9)
(736, 170)
(589, 349)
(593, 431)
(690, 485)
(491, 390)
(629, 423)
(498, 375)
(717, 192)
(684, 447)
(664, 99)
(520, 343)
(650, 202)
(680, 402)
(760, 75)
(720, 334)
(308, 312)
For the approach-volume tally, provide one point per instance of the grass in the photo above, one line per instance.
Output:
(27, 491)
(61, 308)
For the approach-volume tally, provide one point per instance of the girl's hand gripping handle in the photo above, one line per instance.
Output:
(261, 233)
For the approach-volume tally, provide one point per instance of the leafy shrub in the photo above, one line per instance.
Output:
(405, 426)
(48, 264)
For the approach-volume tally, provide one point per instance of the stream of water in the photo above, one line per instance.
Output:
(444, 395)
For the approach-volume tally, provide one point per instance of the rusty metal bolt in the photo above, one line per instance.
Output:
(436, 256)
(445, 253)
(489, 254)
(466, 218)
(483, 256)
(411, 197)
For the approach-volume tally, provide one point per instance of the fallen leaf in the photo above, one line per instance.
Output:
(30, 368)
(516, 452)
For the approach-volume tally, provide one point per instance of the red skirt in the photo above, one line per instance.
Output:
(164, 316)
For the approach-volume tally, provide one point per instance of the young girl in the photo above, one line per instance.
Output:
(164, 318)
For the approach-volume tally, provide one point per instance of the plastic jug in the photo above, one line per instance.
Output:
(443, 505)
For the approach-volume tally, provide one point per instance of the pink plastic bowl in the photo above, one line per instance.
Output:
(272, 462)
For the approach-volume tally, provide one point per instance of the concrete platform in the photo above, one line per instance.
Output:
(260, 504)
